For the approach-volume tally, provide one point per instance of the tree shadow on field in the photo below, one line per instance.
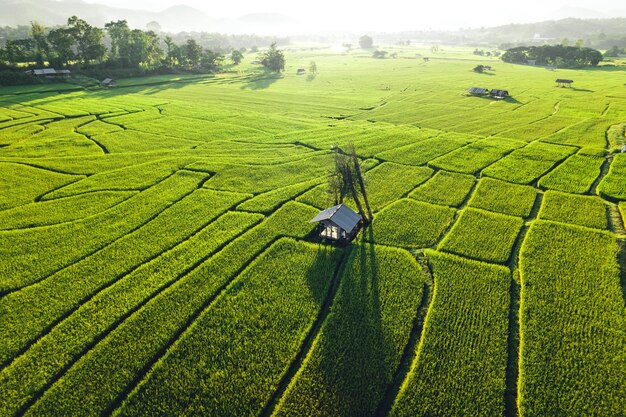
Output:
(261, 81)
(349, 368)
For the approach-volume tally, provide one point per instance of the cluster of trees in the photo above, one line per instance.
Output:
(615, 51)
(480, 52)
(558, 55)
(79, 43)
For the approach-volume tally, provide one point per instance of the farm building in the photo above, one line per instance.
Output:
(48, 73)
(477, 91)
(300, 71)
(499, 94)
(338, 223)
(108, 83)
(561, 82)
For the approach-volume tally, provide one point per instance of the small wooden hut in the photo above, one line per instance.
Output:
(561, 82)
(109, 83)
(339, 223)
(301, 71)
(499, 94)
(478, 91)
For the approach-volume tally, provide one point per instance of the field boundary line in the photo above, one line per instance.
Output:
(513, 336)
(147, 370)
(410, 354)
(307, 344)
(154, 216)
(67, 313)
(111, 328)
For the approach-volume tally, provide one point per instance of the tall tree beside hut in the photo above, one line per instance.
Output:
(345, 179)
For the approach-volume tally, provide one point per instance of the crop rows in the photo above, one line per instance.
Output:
(237, 346)
(421, 152)
(475, 156)
(445, 188)
(576, 175)
(45, 213)
(356, 354)
(589, 211)
(422, 224)
(47, 301)
(483, 235)
(22, 184)
(572, 358)
(32, 371)
(527, 164)
(460, 364)
(268, 202)
(135, 177)
(62, 245)
(613, 185)
(162, 319)
(503, 197)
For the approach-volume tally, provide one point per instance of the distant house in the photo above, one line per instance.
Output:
(48, 73)
(550, 67)
(108, 83)
(256, 62)
(499, 94)
(426, 59)
(531, 62)
(300, 71)
(477, 91)
(561, 82)
(338, 223)
(624, 149)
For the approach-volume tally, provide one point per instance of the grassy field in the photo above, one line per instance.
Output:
(156, 255)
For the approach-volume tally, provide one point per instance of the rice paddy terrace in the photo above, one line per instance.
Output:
(156, 255)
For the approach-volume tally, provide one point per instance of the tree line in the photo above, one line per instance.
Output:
(558, 55)
(79, 44)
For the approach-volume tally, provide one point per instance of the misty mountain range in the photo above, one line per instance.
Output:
(183, 18)
(174, 19)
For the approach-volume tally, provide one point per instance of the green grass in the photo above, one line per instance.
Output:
(385, 184)
(268, 202)
(445, 188)
(23, 184)
(47, 301)
(572, 355)
(459, 368)
(483, 235)
(65, 343)
(527, 164)
(60, 246)
(613, 185)
(45, 213)
(124, 213)
(411, 224)
(576, 175)
(241, 344)
(476, 156)
(362, 340)
(588, 211)
(503, 197)
(426, 150)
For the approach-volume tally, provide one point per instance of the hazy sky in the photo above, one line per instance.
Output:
(391, 14)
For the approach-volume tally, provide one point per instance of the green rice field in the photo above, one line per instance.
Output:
(156, 255)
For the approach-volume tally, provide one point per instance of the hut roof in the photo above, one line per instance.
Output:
(564, 81)
(342, 215)
(477, 90)
(499, 93)
(108, 81)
